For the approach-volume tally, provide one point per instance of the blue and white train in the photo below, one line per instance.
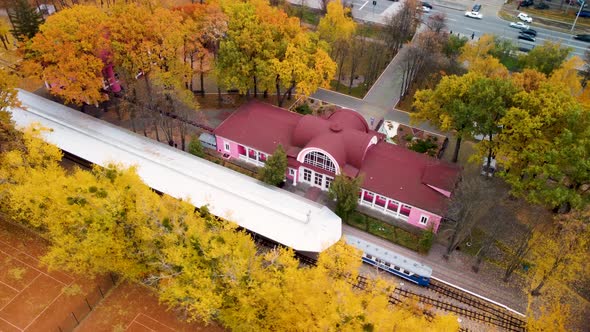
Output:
(392, 262)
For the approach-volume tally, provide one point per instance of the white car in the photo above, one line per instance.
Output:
(474, 15)
(424, 9)
(525, 17)
(519, 25)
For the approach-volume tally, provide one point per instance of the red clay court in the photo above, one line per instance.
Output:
(34, 299)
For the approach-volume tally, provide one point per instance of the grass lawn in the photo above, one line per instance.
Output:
(357, 91)
(386, 231)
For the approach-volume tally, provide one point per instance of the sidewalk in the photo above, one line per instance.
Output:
(457, 271)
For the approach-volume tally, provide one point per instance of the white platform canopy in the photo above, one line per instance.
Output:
(271, 212)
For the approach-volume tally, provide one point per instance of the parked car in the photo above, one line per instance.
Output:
(524, 36)
(541, 5)
(585, 13)
(427, 5)
(476, 8)
(519, 25)
(531, 32)
(585, 38)
(423, 8)
(525, 17)
(474, 15)
(526, 3)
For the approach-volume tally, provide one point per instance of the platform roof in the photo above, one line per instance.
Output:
(269, 211)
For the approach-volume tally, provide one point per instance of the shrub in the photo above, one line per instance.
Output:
(303, 109)
(195, 148)
(426, 240)
(408, 137)
(423, 146)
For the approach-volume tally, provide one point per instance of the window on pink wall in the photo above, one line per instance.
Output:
(261, 156)
(392, 206)
(252, 154)
(368, 197)
(405, 210)
(241, 150)
(380, 201)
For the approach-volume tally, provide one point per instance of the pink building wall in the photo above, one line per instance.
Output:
(433, 219)
(233, 151)
(413, 218)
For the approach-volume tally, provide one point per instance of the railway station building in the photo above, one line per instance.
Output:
(409, 186)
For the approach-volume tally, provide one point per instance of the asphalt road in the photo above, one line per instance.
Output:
(492, 24)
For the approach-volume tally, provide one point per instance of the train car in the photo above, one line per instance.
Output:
(392, 262)
(273, 213)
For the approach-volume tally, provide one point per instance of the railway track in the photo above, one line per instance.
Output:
(482, 311)
(478, 315)
(475, 302)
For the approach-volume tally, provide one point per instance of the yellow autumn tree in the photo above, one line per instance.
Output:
(69, 53)
(9, 137)
(107, 220)
(560, 253)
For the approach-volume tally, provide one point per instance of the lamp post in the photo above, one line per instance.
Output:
(578, 15)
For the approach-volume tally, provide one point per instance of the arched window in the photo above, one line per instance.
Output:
(320, 160)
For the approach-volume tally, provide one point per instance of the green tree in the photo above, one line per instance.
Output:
(275, 168)
(195, 148)
(544, 146)
(545, 58)
(346, 192)
(25, 20)
(448, 107)
(490, 98)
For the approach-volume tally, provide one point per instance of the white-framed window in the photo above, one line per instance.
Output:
(320, 160)
(318, 179)
(327, 182)
(291, 172)
(226, 146)
(423, 219)
(307, 175)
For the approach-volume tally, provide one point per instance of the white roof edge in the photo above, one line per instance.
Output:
(269, 211)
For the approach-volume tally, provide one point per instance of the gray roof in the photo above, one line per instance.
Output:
(269, 211)
(389, 256)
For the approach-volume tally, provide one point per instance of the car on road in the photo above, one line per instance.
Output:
(427, 5)
(519, 25)
(525, 17)
(476, 8)
(524, 36)
(584, 13)
(526, 3)
(585, 38)
(531, 32)
(474, 15)
(424, 9)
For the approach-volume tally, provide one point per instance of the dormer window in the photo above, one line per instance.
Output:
(320, 160)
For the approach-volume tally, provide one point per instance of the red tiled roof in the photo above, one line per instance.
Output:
(397, 173)
(260, 126)
(389, 170)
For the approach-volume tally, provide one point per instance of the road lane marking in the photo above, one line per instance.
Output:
(363, 6)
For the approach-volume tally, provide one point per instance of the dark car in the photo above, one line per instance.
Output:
(585, 13)
(585, 38)
(476, 8)
(526, 37)
(530, 32)
(427, 5)
(526, 3)
(541, 5)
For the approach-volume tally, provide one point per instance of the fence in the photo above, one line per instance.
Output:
(86, 304)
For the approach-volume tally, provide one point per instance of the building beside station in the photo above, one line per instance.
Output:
(409, 186)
